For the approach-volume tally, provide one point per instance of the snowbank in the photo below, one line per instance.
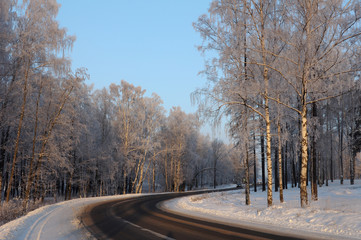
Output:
(337, 214)
(58, 221)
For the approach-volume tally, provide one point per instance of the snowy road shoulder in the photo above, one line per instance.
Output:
(58, 221)
(337, 214)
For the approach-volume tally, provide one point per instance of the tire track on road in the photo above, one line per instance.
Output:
(36, 224)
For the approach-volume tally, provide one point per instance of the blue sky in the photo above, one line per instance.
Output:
(149, 43)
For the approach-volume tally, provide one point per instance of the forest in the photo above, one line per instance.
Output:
(283, 75)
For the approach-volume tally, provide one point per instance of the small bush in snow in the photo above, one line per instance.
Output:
(14, 209)
(198, 198)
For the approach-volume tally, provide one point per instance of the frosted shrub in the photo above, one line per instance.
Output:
(198, 198)
(14, 209)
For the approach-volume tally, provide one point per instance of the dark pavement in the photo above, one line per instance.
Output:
(140, 218)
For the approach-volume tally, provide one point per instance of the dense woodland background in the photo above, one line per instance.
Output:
(284, 74)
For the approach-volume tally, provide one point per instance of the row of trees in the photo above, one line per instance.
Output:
(286, 75)
(60, 138)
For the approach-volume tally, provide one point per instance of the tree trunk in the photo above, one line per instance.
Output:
(341, 143)
(321, 181)
(69, 186)
(328, 127)
(355, 141)
(166, 171)
(304, 157)
(286, 166)
(267, 114)
(314, 193)
(20, 124)
(263, 164)
(125, 185)
(326, 172)
(255, 163)
(248, 201)
(153, 175)
(178, 174)
(331, 158)
(276, 168)
(4, 140)
(215, 172)
(280, 162)
(32, 160)
(352, 169)
(269, 160)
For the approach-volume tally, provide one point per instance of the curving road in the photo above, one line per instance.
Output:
(140, 218)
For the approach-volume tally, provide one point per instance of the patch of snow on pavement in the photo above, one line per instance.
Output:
(337, 213)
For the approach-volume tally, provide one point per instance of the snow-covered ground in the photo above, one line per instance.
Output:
(336, 215)
(58, 221)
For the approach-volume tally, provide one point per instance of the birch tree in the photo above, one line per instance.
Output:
(127, 98)
(320, 43)
(180, 127)
(243, 34)
(151, 122)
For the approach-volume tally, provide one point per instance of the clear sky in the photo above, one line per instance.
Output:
(149, 43)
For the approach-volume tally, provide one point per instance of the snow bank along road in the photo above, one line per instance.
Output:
(140, 218)
(56, 222)
(336, 214)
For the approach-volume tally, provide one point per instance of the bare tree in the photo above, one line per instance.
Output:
(248, 65)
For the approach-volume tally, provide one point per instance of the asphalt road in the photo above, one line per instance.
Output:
(140, 218)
